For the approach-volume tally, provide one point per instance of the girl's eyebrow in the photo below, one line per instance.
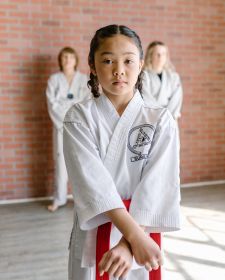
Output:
(107, 53)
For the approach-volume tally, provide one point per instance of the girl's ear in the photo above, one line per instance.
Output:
(92, 68)
(141, 65)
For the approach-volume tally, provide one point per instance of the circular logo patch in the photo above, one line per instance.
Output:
(139, 137)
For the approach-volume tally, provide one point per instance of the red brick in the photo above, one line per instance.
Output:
(33, 33)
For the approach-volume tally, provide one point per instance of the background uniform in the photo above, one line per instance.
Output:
(60, 97)
(165, 89)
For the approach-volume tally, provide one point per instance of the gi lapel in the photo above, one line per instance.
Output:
(155, 84)
(108, 111)
(163, 93)
(118, 140)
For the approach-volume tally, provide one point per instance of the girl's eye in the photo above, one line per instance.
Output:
(128, 61)
(107, 61)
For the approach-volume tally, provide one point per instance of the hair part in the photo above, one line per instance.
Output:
(108, 32)
(70, 51)
(149, 53)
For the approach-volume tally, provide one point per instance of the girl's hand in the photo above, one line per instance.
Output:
(146, 252)
(117, 261)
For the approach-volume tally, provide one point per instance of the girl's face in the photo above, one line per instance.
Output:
(68, 61)
(117, 65)
(159, 57)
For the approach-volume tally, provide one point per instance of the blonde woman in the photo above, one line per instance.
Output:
(66, 87)
(161, 82)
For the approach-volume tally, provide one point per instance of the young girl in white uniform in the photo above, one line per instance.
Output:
(118, 152)
(64, 89)
(161, 82)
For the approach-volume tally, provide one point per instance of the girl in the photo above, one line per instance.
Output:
(161, 81)
(64, 89)
(118, 152)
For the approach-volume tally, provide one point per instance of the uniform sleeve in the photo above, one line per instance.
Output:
(175, 102)
(94, 191)
(56, 109)
(156, 200)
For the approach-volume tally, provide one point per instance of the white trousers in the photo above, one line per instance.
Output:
(60, 175)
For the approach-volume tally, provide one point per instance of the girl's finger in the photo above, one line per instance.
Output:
(160, 261)
(120, 271)
(102, 264)
(109, 262)
(148, 267)
(125, 273)
(154, 264)
(113, 268)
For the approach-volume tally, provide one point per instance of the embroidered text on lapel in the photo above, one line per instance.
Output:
(139, 141)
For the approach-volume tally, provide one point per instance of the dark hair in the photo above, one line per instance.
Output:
(67, 50)
(107, 32)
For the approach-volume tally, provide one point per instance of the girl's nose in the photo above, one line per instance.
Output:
(119, 69)
(116, 73)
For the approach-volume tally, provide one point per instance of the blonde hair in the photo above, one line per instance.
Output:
(149, 53)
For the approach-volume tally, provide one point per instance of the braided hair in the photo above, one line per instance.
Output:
(107, 32)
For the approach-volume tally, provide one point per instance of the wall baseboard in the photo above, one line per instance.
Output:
(32, 199)
(70, 197)
(202, 184)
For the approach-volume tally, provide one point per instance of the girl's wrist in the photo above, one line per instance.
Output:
(134, 234)
(124, 242)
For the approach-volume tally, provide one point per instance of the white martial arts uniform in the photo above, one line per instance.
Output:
(109, 158)
(166, 92)
(58, 104)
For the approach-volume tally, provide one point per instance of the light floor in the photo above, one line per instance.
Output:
(33, 242)
(197, 252)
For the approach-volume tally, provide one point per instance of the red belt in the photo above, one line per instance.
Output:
(103, 245)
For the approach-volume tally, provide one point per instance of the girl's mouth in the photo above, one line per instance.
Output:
(119, 83)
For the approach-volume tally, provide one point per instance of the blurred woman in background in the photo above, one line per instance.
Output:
(161, 82)
(66, 87)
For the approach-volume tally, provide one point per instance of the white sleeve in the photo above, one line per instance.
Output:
(156, 200)
(94, 191)
(175, 102)
(56, 109)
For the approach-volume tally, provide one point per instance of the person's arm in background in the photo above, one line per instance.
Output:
(175, 102)
(56, 109)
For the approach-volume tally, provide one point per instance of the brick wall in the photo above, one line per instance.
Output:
(31, 34)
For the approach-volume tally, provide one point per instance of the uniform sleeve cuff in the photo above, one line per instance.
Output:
(156, 223)
(94, 214)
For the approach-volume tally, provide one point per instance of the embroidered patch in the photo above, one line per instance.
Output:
(139, 141)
